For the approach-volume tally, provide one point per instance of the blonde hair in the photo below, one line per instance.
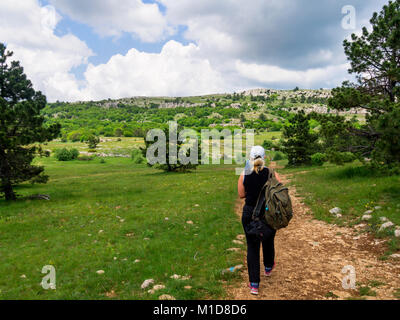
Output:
(258, 165)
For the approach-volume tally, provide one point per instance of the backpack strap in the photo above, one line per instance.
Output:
(261, 196)
(271, 173)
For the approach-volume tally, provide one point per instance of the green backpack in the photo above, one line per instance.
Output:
(278, 205)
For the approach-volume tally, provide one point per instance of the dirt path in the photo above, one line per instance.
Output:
(310, 255)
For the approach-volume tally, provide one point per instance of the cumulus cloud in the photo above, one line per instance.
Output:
(113, 17)
(233, 45)
(28, 30)
(278, 77)
(176, 71)
(284, 33)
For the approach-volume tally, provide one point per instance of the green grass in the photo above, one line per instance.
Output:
(129, 203)
(366, 291)
(110, 146)
(355, 190)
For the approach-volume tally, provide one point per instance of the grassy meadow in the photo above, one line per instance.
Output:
(355, 190)
(136, 223)
(106, 216)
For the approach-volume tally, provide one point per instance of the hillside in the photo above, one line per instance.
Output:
(259, 109)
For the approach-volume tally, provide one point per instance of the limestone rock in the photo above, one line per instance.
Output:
(386, 225)
(147, 283)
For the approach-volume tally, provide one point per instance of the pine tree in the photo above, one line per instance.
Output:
(22, 127)
(300, 142)
(375, 60)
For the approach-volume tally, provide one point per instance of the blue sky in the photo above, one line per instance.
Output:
(97, 49)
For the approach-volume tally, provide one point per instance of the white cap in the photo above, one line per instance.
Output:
(257, 152)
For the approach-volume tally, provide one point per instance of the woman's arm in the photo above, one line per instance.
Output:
(241, 191)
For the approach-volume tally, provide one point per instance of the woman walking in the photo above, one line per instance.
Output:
(250, 184)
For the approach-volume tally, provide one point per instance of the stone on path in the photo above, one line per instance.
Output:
(366, 217)
(386, 225)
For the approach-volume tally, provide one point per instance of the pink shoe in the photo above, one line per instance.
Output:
(253, 289)
(268, 271)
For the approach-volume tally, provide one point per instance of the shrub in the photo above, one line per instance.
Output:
(128, 133)
(318, 159)
(66, 155)
(268, 144)
(118, 132)
(137, 157)
(93, 141)
(341, 158)
(279, 156)
(75, 136)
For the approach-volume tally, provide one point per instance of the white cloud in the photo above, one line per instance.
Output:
(113, 17)
(272, 75)
(233, 45)
(28, 30)
(176, 71)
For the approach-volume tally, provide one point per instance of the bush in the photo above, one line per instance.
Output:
(279, 156)
(128, 133)
(341, 158)
(92, 142)
(268, 144)
(318, 159)
(75, 136)
(137, 157)
(66, 155)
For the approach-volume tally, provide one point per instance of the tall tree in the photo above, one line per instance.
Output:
(22, 127)
(301, 142)
(375, 60)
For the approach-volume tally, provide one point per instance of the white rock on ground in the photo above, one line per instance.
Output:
(397, 233)
(383, 219)
(100, 272)
(378, 208)
(395, 255)
(146, 283)
(386, 225)
(335, 210)
(366, 217)
(156, 288)
(369, 212)
(237, 242)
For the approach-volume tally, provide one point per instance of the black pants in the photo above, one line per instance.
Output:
(253, 248)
